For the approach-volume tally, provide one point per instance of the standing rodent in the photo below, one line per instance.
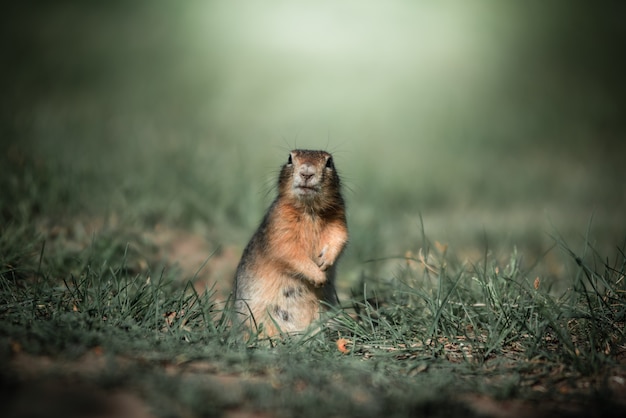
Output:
(288, 266)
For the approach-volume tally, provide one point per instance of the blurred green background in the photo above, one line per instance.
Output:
(498, 122)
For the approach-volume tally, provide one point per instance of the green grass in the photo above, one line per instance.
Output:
(89, 303)
(420, 342)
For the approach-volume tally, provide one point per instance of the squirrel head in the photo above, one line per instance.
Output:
(309, 178)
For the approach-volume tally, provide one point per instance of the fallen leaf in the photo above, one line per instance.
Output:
(342, 345)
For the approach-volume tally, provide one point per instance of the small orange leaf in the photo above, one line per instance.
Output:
(536, 283)
(442, 248)
(342, 345)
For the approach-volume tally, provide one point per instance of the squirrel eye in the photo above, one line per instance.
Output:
(290, 160)
(329, 162)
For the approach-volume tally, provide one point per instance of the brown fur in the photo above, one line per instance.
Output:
(289, 264)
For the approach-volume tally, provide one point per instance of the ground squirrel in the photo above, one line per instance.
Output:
(288, 266)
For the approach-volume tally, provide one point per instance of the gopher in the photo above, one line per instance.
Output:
(289, 265)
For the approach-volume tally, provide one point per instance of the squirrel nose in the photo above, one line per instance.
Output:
(306, 172)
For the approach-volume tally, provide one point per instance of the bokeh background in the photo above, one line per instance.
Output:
(498, 123)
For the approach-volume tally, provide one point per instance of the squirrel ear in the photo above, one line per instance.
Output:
(290, 160)
(329, 162)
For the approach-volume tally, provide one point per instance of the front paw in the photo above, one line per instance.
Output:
(323, 261)
(319, 278)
